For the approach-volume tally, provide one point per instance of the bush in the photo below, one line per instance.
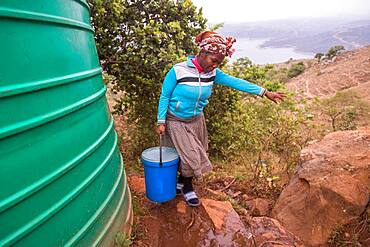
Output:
(319, 55)
(255, 132)
(296, 69)
(334, 51)
(260, 130)
(344, 110)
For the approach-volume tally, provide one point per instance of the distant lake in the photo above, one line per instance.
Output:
(251, 48)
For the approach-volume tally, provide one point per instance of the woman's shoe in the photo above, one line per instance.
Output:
(191, 199)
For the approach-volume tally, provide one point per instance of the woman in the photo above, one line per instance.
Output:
(185, 92)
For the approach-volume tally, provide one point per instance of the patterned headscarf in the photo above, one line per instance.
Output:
(214, 43)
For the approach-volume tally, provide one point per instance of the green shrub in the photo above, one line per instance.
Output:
(296, 69)
(344, 110)
(319, 56)
(335, 50)
(258, 128)
(138, 42)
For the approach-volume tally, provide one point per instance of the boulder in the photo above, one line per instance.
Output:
(269, 232)
(329, 188)
(230, 230)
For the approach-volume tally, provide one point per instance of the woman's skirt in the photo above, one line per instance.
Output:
(190, 138)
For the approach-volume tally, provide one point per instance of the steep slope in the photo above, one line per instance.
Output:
(348, 70)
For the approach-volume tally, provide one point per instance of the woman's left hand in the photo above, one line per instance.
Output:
(275, 96)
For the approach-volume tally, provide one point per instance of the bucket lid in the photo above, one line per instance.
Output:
(152, 154)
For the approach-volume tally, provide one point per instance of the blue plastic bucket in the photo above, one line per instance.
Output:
(160, 181)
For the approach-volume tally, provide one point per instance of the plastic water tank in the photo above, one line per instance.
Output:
(62, 180)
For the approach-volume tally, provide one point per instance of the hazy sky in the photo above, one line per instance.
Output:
(257, 10)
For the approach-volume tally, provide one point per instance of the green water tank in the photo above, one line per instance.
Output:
(62, 180)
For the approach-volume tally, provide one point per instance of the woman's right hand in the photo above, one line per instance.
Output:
(161, 128)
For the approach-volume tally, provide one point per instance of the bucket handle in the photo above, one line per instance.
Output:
(160, 150)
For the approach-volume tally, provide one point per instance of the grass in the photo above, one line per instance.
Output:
(123, 239)
(353, 234)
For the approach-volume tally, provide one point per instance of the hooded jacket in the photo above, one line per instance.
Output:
(185, 91)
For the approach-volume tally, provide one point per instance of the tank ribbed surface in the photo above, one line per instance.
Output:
(62, 180)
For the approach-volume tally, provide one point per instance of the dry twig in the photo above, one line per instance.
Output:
(228, 186)
(192, 220)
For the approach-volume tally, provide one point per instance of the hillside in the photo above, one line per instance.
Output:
(310, 35)
(348, 70)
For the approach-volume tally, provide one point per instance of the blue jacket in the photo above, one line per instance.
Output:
(185, 91)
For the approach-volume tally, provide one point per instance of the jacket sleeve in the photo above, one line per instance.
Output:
(238, 84)
(168, 86)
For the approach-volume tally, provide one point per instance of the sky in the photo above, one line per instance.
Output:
(234, 11)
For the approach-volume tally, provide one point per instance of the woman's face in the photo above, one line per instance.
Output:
(210, 61)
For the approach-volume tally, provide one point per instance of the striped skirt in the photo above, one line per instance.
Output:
(190, 138)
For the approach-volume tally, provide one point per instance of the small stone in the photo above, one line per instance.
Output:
(243, 211)
(246, 197)
(181, 207)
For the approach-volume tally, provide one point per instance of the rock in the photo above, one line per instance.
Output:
(218, 211)
(330, 187)
(269, 232)
(181, 207)
(216, 193)
(137, 184)
(229, 230)
(215, 224)
(234, 194)
(258, 206)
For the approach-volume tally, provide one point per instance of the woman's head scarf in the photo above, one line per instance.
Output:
(214, 43)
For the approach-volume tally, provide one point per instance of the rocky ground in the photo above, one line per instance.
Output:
(330, 188)
(214, 223)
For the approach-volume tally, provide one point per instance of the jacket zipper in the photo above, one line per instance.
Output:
(177, 105)
(200, 93)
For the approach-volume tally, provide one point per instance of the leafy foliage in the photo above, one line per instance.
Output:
(256, 129)
(296, 69)
(122, 239)
(333, 51)
(138, 42)
(319, 56)
(344, 110)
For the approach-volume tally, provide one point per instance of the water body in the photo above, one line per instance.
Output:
(252, 49)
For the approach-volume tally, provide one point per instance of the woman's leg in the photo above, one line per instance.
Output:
(180, 184)
(193, 157)
(188, 192)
